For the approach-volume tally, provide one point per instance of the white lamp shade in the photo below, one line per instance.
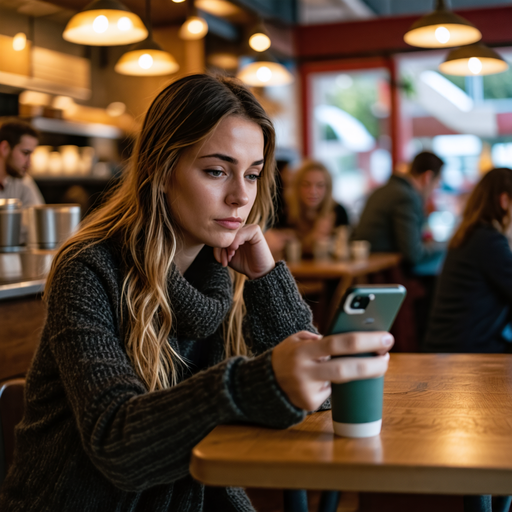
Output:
(265, 73)
(146, 62)
(105, 23)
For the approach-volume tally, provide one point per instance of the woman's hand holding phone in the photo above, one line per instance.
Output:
(304, 366)
(248, 254)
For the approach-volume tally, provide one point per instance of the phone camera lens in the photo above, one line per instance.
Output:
(359, 302)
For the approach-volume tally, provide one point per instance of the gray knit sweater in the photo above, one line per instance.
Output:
(94, 439)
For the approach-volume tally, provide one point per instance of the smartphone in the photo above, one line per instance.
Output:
(368, 308)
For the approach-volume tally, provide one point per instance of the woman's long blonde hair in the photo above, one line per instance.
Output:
(483, 205)
(296, 211)
(137, 216)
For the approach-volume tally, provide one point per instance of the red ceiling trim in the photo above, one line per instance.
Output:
(385, 35)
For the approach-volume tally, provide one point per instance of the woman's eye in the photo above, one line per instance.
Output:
(215, 173)
(254, 177)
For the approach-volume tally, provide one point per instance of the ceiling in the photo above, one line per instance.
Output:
(241, 12)
(401, 7)
(328, 11)
(164, 12)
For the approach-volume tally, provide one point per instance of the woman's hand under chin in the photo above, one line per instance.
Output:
(248, 254)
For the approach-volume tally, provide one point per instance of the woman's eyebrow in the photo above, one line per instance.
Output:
(230, 159)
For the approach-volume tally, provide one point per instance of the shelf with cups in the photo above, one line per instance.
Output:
(77, 151)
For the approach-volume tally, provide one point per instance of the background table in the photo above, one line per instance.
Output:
(447, 429)
(336, 278)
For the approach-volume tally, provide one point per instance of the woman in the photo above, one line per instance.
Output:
(312, 213)
(472, 302)
(151, 341)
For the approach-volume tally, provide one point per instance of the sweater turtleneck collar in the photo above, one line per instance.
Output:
(201, 298)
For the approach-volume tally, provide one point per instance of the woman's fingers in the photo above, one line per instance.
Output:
(305, 364)
(346, 369)
(350, 343)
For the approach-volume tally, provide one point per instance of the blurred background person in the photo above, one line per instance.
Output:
(393, 220)
(471, 312)
(311, 212)
(394, 216)
(473, 299)
(18, 140)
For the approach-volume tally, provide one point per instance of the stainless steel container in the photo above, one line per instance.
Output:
(49, 225)
(10, 224)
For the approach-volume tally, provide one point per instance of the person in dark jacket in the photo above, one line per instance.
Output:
(472, 304)
(473, 299)
(393, 217)
(167, 316)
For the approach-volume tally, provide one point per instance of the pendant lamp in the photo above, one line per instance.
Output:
(259, 39)
(105, 23)
(147, 58)
(471, 60)
(194, 27)
(442, 29)
(264, 72)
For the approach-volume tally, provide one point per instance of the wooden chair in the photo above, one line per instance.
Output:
(11, 413)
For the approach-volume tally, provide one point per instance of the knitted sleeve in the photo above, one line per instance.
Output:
(275, 308)
(135, 438)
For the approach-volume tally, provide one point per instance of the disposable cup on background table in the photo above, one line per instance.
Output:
(322, 249)
(293, 251)
(341, 250)
(360, 250)
(357, 407)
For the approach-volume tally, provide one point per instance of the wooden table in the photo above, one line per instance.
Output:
(340, 275)
(447, 429)
(331, 269)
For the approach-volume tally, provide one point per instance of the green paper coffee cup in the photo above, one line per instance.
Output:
(357, 407)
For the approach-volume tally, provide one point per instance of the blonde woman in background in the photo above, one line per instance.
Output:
(312, 214)
(167, 316)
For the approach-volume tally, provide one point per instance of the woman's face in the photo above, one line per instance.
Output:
(215, 182)
(313, 188)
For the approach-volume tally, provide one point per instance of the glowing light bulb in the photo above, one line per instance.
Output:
(259, 42)
(124, 24)
(442, 35)
(145, 61)
(264, 74)
(19, 41)
(195, 27)
(100, 24)
(116, 109)
(475, 65)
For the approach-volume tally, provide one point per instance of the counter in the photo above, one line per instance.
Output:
(21, 288)
(22, 312)
(24, 273)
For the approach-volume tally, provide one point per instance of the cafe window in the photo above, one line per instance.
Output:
(349, 130)
(467, 121)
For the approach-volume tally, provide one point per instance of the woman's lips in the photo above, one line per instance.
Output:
(229, 223)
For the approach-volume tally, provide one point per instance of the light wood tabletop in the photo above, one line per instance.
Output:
(447, 429)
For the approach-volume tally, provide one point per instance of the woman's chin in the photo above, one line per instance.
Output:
(223, 241)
